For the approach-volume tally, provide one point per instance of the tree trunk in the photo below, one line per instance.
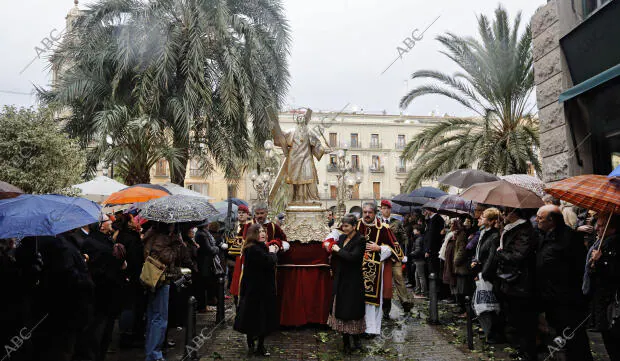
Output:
(177, 176)
(138, 176)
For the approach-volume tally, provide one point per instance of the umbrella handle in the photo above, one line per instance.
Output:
(605, 230)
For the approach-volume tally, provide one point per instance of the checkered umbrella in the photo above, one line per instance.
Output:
(595, 192)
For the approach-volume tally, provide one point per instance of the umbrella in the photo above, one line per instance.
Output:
(422, 195)
(9, 191)
(503, 193)
(31, 215)
(137, 193)
(404, 200)
(596, 192)
(177, 209)
(222, 209)
(450, 205)
(464, 178)
(526, 181)
(238, 202)
(400, 209)
(99, 188)
(615, 172)
(177, 189)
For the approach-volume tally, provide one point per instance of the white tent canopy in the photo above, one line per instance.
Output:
(177, 189)
(98, 189)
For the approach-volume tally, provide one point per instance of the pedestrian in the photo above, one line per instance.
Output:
(603, 272)
(560, 262)
(462, 268)
(163, 243)
(449, 274)
(398, 230)
(206, 255)
(417, 257)
(485, 265)
(234, 252)
(433, 239)
(516, 257)
(257, 315)
(347, 313)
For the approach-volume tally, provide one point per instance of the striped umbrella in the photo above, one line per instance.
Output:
(450, 205)
(526, 181)
(595, 192)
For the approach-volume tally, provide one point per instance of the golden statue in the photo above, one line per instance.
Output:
(299, 146)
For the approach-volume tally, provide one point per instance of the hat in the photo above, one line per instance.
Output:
(243, 208)
(386, 203)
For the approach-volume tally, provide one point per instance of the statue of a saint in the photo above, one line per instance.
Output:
(299, 146)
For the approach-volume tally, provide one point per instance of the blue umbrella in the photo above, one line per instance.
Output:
(238, 202)
(615, 172)
(45, 215)
(222, 209)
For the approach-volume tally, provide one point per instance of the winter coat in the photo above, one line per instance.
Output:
(207, 251)
(449, 277)
(605, 280)
(486, 255)
(134, 249)
(167, 249)
(417, 253)
(257, 313)
(517, 259)
(432, 237)
(560, 261)
(348, 286)
(461, 255)
(106, 272)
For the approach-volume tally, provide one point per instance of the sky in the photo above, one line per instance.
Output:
(338, 53)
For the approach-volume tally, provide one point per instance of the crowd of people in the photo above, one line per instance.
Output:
(526, 271)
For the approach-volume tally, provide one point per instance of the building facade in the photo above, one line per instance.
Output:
(577, 76)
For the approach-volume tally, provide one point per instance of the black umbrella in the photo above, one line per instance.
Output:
(465, 178)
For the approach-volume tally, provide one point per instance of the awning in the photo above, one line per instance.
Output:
(591, 83)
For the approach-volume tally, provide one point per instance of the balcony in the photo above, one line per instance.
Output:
(332, 168)
(375, 145)
(356, 168)
(399, 146)
(401, 170)
(195, 172)
(355, 145)
(377, 169)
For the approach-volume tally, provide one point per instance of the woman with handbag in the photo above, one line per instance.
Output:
(484, 264)
(257, 315)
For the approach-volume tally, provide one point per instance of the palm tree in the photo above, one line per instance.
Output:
(495, 82)
(200, 68)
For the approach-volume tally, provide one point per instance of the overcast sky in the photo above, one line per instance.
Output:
(339, 50)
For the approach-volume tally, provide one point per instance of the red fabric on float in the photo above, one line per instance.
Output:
(304, 284)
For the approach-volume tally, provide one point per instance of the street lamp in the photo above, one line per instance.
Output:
(346, 181)
(261, 181)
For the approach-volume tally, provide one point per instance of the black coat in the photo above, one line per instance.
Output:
(134, 249)
(417, 249)
(605, 280)
(560, 262)
(518, 259)
(348, 281)
(257, 314)
(487, 261)
(207, 251)
(432, 237)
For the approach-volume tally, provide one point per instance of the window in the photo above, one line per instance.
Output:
(590, 6)
(201, 188)
(194, 168)
(356, 192)
(402, 166)
(376, 162)
(400, 142)
(376, 190)
(161, 168)
(374, 141)
(333, 140)
(333, 192)
(355, 161)
(333, 160)
(355, 140)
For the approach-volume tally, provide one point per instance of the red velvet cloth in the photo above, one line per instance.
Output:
(304, 284)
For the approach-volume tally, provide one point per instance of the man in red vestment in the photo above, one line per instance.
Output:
(275, 235)
(234, 250)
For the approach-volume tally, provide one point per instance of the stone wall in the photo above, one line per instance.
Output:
(549, 78)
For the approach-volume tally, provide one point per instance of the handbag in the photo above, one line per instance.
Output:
(484, 299)
(152, 272)
(216, 266)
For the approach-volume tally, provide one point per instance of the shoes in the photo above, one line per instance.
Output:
(419, 296)
(262, 351)
(357, 343)
(407, 307)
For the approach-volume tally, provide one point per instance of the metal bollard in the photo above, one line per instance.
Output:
(470, 328)
(190, 329)
(220, 298)
(433, 312)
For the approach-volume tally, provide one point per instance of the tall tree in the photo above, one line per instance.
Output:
(202, 69)
(495, 82)
(35, 155)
